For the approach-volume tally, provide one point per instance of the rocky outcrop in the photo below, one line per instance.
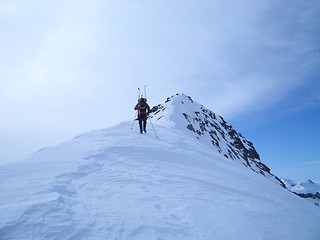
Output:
(213, 130)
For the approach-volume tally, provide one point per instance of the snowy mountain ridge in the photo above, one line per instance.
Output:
(308, 186)
(187, 115)
(116, 183)
(308, 189)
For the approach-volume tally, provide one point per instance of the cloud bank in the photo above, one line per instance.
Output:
(76, 65)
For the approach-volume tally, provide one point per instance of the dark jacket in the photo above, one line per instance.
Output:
(142, 110)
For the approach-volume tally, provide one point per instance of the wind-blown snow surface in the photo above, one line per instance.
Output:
(118, 184)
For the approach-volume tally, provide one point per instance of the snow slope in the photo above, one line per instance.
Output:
(182, 112)
(118, 184)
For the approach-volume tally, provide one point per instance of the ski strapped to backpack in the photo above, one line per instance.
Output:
(142, 100)
(142, 105)
(145, 93)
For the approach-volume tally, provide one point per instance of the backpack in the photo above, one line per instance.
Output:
(142, 103)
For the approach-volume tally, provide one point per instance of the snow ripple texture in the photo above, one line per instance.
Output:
(118, 184)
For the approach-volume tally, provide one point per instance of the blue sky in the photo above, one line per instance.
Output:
(67, 67)
(286, 137)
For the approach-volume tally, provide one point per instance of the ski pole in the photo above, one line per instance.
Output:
(135, 116)
(153, 128)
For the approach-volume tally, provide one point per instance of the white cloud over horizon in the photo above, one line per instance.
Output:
(66, 64)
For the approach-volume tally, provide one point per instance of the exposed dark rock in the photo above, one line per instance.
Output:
(207, 124)
(190, 127)
(309, 195)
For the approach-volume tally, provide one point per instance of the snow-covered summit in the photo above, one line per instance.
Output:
(182, 112)
(116, 183)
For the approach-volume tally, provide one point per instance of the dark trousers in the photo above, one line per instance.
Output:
(142, 122)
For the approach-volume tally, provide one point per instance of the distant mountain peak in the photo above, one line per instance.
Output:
(308, 189)
(183, 113)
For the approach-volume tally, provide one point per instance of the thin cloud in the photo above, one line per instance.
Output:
(69, 61)
(311, 163)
